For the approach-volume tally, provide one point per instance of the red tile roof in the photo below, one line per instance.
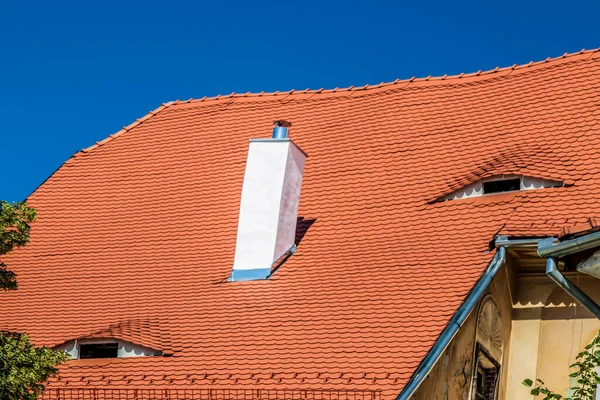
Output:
(136, 234)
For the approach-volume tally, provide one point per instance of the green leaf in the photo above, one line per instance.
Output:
(528, 382)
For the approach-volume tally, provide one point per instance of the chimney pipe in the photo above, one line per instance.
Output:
(280, 130)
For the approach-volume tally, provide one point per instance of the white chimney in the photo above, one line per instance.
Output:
(269, 206)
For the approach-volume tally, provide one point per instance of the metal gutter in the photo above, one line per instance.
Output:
(453, 326)
(505, 241)
(569, 287)
(546, 248)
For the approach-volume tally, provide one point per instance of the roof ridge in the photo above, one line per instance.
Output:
(383, 84)
(164, 106)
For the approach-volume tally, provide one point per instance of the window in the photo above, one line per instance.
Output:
(506, 185)
(98, 350)
(486, 379)
(480, 387)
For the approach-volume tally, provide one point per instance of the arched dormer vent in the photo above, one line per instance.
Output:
(500, 184)
(105, 348)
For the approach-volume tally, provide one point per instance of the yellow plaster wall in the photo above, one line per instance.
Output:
(548, 331)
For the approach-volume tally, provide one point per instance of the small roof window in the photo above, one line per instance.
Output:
(500, 184)
(99, 350)
(105, 348)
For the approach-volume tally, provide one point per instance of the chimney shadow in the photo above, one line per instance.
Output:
(302, 226)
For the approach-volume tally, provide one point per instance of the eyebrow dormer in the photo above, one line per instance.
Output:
(129, 338)
(500, 184)
(105, 348)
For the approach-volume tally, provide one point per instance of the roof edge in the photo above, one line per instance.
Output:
(164, 106)
(127, 128)
(102, 142)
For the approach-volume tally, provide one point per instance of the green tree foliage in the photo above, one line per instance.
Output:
(23, 367)
(585, 371)
(14, 232)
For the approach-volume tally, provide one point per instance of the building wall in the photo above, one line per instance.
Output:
(451, 377)
(549, 330)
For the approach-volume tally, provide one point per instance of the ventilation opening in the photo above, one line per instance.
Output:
(500, 184)
(98, 350)
(507, 185)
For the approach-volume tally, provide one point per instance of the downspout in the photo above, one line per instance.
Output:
(453, 326)
(546, 248)
(570, 287)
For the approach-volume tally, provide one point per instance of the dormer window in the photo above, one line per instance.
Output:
(99, 350)
(105, 348)
(500, 184)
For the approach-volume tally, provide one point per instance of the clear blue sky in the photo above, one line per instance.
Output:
(72, 73)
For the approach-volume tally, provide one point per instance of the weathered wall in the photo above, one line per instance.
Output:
(549, 330)
(450, 378)
(502, 289)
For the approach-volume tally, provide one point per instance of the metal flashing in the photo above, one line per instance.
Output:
(505, 241)
(238, 275)
(263, 273)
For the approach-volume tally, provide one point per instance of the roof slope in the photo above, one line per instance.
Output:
(138, 232)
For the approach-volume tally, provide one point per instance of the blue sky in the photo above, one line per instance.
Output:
(72, 73)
